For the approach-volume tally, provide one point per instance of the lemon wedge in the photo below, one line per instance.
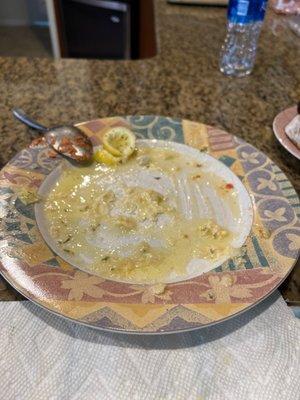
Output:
(119, 141)
(104, 157)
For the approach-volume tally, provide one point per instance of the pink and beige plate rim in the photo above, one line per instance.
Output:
(279, 124)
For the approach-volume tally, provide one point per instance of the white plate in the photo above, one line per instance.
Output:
(209, 204)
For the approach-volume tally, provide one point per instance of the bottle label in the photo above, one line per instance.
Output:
(246, 11)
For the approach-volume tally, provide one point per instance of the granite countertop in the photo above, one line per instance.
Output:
(182, 80)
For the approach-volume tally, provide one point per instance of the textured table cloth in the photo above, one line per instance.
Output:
(253, 356)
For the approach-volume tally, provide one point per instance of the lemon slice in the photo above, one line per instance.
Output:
(119, 141)
(104, 157)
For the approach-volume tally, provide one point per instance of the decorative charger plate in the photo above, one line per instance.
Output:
(271, 249)
(279, 124)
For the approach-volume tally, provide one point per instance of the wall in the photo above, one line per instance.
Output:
(23, 12)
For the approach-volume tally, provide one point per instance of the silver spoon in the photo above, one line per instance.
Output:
(67, 140)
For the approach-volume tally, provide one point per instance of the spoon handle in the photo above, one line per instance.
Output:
(21, 116)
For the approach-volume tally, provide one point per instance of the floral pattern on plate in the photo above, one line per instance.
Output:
(269, 252)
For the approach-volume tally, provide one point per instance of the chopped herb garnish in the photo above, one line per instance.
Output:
(94, 227)
(65, 241)
(68, 251)
(198, 176)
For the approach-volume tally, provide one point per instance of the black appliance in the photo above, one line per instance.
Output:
(100, 28)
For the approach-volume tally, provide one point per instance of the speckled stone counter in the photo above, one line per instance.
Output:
(182, 80)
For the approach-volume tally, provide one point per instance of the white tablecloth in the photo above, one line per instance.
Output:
(253, 356)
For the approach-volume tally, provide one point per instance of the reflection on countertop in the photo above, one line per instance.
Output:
(182, 80)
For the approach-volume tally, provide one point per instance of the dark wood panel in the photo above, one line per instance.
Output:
(147, 29)
(60, 28)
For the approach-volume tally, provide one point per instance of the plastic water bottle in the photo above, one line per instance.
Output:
(245, 19)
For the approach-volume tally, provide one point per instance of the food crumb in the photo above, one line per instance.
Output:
(211, 295)
(144, 161)
(126, 222)
(28, 197)
(263, 233)
(52, 153)
(159, 288)
(95, 226)
(229, 186)
(196, 176)
(37, 142)
(227, 280)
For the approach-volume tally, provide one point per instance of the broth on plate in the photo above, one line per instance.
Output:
(142, 221)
